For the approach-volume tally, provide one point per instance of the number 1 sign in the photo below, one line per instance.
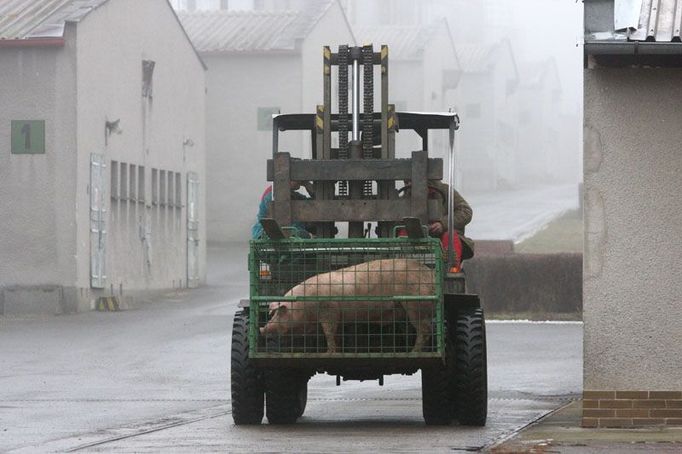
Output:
(28, 136)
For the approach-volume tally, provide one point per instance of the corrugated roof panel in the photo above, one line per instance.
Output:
(239, 31)
(24, 19)
(659, 20)
(474, 58)
(404, 42)
(251, 31)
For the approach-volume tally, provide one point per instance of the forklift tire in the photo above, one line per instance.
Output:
(436, 396)
(302, 396)
(283, 396)
(469, 389)
(247, 381)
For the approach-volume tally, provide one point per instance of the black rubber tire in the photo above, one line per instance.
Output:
(247, 381)
(302, 396)
(469, 389)
(436, 406)
(282, 396)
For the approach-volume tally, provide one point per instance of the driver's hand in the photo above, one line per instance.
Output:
(436, 228)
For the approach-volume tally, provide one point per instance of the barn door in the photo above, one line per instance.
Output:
(98, 232)
(192, 230)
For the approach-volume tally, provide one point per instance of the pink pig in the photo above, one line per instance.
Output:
(386, 277)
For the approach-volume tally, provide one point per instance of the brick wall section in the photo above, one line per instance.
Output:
(632, 408)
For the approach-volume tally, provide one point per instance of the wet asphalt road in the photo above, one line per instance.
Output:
(156, 378)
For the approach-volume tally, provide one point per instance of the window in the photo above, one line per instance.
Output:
(162, 187)
(510, 87)
(114, 180)
(178, 190)
(123, 189)
(264, 119)
(450, 79)
(155, 186)
(140, 184)
(132, 175)
(171, 191)
(148, 78)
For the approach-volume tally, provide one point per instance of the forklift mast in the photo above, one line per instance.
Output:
(354, 177)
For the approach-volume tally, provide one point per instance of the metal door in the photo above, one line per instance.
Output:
(192, 230)
(98, 232)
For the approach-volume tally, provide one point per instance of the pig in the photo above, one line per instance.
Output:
(384, 277)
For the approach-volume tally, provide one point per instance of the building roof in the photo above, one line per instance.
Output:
(635, 20)
(404, 42)
(475, 58)
(36, 19)
(222, 31)
(482, 58)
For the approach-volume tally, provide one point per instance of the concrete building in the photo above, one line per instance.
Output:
(423, 74)
(261, 63)
(486, 101)
(101, 153)
(633, 213)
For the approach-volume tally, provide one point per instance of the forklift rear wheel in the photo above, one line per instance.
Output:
(469, 389)
(302, 396)
(436, 396)
(283, 396)
(247, 381)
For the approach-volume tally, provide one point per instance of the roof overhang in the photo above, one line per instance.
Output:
(32, 42)
(627, 53)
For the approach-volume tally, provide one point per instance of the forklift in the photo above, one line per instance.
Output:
(355, 174)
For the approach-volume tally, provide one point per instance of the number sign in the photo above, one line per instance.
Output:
(28, 136)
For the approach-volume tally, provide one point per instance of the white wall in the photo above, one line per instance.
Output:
(112, 42)
(633, 214)
(37, 241)
(237, 150)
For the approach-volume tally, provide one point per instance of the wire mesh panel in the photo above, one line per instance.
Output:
(346, 298)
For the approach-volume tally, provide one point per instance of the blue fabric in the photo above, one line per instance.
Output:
(257, 229)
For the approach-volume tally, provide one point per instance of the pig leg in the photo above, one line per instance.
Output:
(423, 329)
(421, 321)
(329, 329)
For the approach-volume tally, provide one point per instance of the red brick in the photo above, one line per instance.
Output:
(615, 422)
(599, 394)
(673, 422)
(665, 394)
(673, 403)
(632, 413)
(666, 413)
(590, 404)
(632, 394)
(615, 404)
(603, 413)
(648, 421)
(648, 404)
(590, 422)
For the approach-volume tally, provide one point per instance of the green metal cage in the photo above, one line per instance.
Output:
(346, 298)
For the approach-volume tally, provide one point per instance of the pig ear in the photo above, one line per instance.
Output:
(282, 309)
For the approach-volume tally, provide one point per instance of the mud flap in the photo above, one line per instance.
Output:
(454, 303)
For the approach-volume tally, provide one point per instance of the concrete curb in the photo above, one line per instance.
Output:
(560, 431)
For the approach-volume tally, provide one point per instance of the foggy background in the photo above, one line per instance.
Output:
(512, 70)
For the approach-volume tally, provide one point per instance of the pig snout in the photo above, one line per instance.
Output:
(278, 321)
